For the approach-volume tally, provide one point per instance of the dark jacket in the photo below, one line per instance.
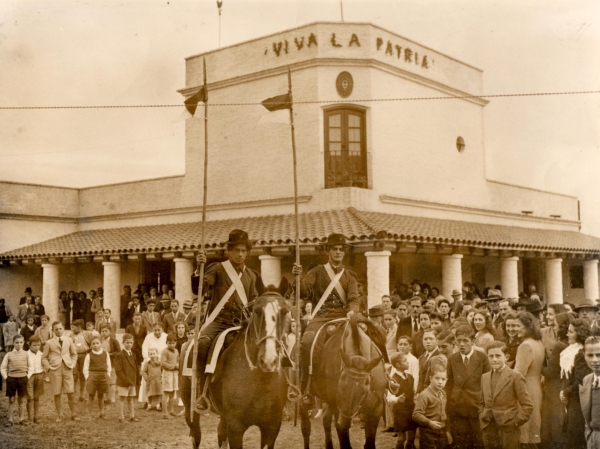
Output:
(138, 340)
(216, 280)
(464, 387)
(317, 280)
(126, 369)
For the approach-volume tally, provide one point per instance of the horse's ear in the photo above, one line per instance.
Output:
(260, 286)
(284, 286)
(346, 359)
(373, 363)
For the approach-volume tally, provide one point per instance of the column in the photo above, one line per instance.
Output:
(554, 285)
(451, 274)
(184, 268)
(509, 277)
(50, 291)
(378, 276)
(112, 290)
(590, 279)
(270, 270)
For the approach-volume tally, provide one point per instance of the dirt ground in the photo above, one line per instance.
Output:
(151, 432)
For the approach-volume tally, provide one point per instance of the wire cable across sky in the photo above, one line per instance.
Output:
(372, 100)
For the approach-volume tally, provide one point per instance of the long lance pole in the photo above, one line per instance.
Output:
(298, 278)
(201, 267)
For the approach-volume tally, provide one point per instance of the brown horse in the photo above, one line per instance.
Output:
(249, 385)
(351, 379)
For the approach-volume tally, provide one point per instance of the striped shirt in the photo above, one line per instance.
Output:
(15, 364)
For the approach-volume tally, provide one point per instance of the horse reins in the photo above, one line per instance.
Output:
(258, 340)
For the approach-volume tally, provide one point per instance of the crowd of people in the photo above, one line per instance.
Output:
(471, 371)
(90, 365)
(488, 371)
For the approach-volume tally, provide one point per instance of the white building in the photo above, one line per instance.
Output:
(403, 179)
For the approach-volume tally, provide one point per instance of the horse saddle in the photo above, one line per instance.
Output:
(218, 346)
(321, 338)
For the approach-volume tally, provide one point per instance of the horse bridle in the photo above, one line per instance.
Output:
(357, 377)
(278, 330)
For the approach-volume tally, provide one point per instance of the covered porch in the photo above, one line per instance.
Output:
(387, 249)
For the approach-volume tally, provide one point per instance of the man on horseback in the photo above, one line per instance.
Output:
(333, 292)
(233, 287)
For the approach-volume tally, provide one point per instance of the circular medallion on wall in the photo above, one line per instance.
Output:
(344, 84)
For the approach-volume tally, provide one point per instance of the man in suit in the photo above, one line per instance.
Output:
(504, 404)
(173, 317)
(108, 321)
(465, 369)
(150, 317)
(430, 352)
(59, 359)
(134, 306)
(24, 310)
(589, 393)
(410, 325)
(391, 328)
(139, 332)
(125, 300)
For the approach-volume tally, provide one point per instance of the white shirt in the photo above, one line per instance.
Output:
(86, 364)
(34, 364)
(468, 356)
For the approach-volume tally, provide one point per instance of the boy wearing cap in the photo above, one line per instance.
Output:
(333, 291)
(228, 307)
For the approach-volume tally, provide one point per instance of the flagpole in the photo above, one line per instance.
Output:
(342, 9)
(298, 277)
(201, 267)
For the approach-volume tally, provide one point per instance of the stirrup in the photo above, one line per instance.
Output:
(293, 394)
(202, 404)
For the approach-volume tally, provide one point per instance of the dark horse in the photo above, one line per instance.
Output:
(249, 386)
(351, 379)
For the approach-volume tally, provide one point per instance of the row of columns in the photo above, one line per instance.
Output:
(184, 269)
(378, 269)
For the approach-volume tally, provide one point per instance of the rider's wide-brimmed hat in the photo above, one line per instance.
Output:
(336, 239)
(239, 237)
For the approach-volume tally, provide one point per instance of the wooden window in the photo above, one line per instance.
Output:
(345, 148)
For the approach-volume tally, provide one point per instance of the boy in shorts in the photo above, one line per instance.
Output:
(35, 378)
(96, 370)
(58, 360)
(14, 370)
(127, 371)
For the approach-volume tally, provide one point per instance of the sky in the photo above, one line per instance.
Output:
(131, 52)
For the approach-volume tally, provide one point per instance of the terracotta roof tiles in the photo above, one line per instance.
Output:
(314, 228)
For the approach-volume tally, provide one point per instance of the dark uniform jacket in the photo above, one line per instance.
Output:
(316, 282)
(217, 281)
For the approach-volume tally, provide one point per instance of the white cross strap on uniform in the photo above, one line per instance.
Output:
(236, 281)
(338, 288)
(228, 294)
(328, 290)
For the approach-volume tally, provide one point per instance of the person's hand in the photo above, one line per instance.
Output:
(435, 425)
(563, 398)
(350, 314)
(129, 304)
(297, 269)
(201, 257)
(401, 398)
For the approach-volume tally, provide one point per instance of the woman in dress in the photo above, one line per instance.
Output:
(62, 304)
(529, 362)
(484, 329)
(553, 411)
(573, 368)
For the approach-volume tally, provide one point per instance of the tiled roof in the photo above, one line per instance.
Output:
(314, 228)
